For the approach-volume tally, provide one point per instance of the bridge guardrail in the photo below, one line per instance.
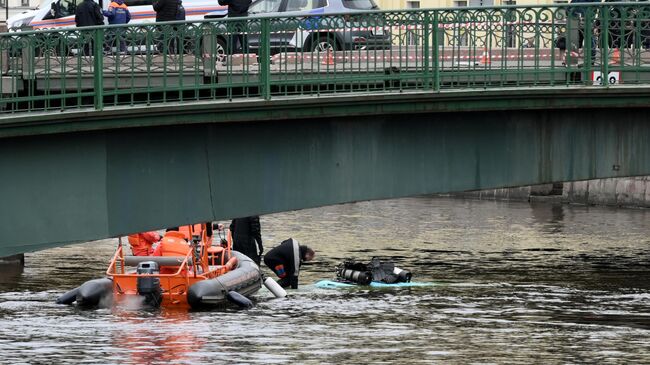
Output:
(379, 51)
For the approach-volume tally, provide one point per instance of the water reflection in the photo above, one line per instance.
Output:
(549, 216)
(11, 275)
(159, 337)
(514, 282)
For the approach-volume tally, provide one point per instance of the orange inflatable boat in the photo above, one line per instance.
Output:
(185, 270)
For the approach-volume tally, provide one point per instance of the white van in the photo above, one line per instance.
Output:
(53, 14)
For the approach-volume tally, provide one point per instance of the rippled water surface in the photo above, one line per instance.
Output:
(514, 283)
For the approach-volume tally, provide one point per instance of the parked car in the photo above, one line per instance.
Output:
(59, 14)
(313, 29)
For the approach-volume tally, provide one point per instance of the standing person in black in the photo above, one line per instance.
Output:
(247, 237)
(88, 14)
(165, 10)
(238, 42)
(168, 11)
(285, 261)
(579, 19)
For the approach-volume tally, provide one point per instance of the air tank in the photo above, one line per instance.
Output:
(358, 277)
(275, 288)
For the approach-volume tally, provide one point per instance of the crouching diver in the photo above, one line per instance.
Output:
(285, 261)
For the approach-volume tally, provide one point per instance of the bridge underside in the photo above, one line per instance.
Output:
(60, 188)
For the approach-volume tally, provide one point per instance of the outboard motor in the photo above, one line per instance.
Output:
(149, 287)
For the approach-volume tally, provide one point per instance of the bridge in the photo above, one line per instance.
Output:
(166, 128)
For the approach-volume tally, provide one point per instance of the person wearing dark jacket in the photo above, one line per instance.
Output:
(238, 40)
(285, 261)
(247, 237)
(166, 10)
(88, 14)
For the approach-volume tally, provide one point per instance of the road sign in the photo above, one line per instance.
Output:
(613, 77)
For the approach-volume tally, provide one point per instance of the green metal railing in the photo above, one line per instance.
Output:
(595, 45)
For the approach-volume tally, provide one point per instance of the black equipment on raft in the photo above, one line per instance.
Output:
(149, 287)
(355, 276)
(246, 279)
(354, 272)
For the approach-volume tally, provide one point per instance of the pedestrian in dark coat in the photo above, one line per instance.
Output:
(169, 11)
(166, 10)
(285, 261)
(247, 237)
(236, 8)
(238, 40)
(88, 14)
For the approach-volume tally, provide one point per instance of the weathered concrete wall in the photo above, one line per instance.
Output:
(625, 192)
(13, 260)
(523, 193)
(629, 192)
(520, 193)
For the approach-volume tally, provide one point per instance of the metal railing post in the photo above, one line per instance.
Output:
(604, 49)
(265, 60)
(426, 51)
(587, 28)
(98, 67)
(436, 49)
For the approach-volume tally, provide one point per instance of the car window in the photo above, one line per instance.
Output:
(265, 6)
(360, 4)
(297, 5)
(66, 8)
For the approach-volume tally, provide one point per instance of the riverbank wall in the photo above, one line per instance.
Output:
(621, 192)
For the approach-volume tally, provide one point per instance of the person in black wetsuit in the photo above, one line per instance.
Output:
(247, 237)
(285, 261)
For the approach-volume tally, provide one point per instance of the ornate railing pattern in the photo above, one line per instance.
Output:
(381, 51)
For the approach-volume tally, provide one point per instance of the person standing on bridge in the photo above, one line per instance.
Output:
(247, 237)
(285, 261)
(168, 11)
(88, 14)
(238, 41)
(118, 13)
(578, 20)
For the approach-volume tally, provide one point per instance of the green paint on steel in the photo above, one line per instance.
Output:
(376, 52)
(326, 106)
(90, 185)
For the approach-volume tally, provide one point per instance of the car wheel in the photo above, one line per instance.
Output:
(220, 50)
(323, 43)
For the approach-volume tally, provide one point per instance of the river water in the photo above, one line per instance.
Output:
(514, 283)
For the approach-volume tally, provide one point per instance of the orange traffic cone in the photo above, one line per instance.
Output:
(329, 58)
(616, 57)
(485, 58)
